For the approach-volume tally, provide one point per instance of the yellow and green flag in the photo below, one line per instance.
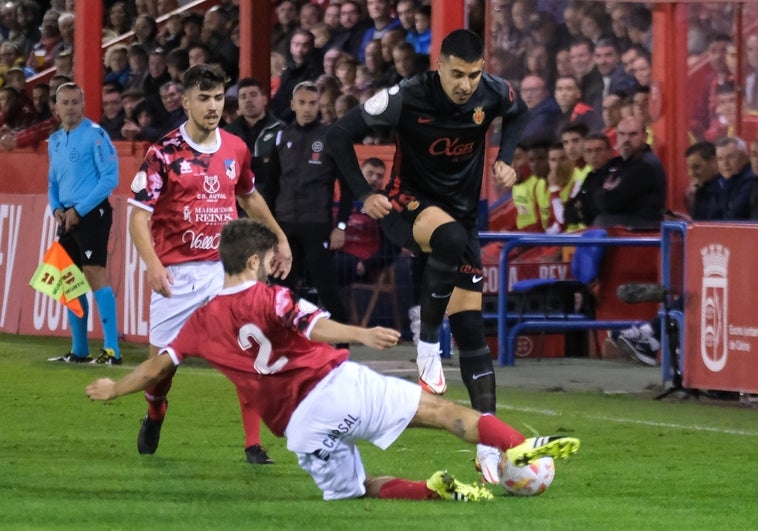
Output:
(58, 277)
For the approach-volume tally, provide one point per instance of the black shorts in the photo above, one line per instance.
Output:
(87, 242)
(398, 226)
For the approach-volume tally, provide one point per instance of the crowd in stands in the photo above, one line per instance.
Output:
(574, 61)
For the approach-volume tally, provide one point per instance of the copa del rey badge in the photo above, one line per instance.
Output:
(478, 115)
(713, 319)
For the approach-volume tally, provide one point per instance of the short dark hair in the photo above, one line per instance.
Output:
(241, 239)
(576, 127)
(250, 82)
(203, 77)
(374, 161)
(598, 136)
(705, 149)
(464, 44)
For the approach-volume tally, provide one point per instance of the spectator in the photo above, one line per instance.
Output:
(572, 141)
(725, 120)
(146, 32)
(64, 64)
(544, 112)
(310, 15)
(406, 14)
(568, 95)
(705, 194)
(504, 33)
(520, 11)
(14, 114)
(537, 63)
(138, 61)
(639, 24)
(157, 74)
(353, 26)
(16, 77)
(28, 32)
(754, 167)
(561, 187)
(8, 22)
(389, 41)
(302, 66)
(421, 36)
(257, 127)
(382, 21)
(595, 23)
(11, 58)
(215, 36)
(404, 61)
(285, 25)
(582, 63)
(66, 29)
(199, 54)
(529, 193)
(118, 18)
(375, 65)
(170, 35)
(117, 64)
(345, 70)
(192, 29)
(41, 102)
(330, 59)
(581, 209)
(146, 7)
(629, 55)
(83, 174)
(327, 100)
(366, 250)
(634, 192)
(619, 13)
(572, 20)
(641, 111)
(112, 119)
(611, 117)
(344, 103)
(172, 114)
(751, 79)
(563, 63)
(129, 100)
(642, 71)
(302, 179)
(322, 36)
(44, 51)
(608, 75)
(739, 180)
(177, 61)
(332, 17)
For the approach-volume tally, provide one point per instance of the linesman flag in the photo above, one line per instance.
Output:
(58, 277)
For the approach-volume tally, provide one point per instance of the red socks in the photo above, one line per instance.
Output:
(495, 432)
(404, 489)
(251, 422)
(156, 397)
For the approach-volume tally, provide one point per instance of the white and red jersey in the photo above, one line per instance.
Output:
(191, 193)
(258, 336)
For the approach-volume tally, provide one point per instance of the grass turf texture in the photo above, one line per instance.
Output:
(68, 463)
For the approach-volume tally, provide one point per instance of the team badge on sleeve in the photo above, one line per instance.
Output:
(377, 103)
(139, 183)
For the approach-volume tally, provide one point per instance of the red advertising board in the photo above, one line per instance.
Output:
(27, 229)
(721, 325)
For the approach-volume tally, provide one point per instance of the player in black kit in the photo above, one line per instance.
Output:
(440, 120)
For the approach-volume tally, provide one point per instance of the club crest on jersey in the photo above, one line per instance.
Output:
(211, 184)
(185, 166)
(478, 115)
(230, 168)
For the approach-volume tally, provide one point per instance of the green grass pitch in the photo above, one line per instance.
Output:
(68, 463)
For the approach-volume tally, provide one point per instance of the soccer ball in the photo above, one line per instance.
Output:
(528, 480)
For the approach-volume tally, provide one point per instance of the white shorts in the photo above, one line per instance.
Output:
(195, 283)
(351, 403)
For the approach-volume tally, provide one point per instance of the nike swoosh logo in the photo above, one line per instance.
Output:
(476, 278)
(424, 120)
(482, 375)
(443, 296)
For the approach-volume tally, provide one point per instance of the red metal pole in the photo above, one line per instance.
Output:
(88, 56)
(447, 15)
(255, 40)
